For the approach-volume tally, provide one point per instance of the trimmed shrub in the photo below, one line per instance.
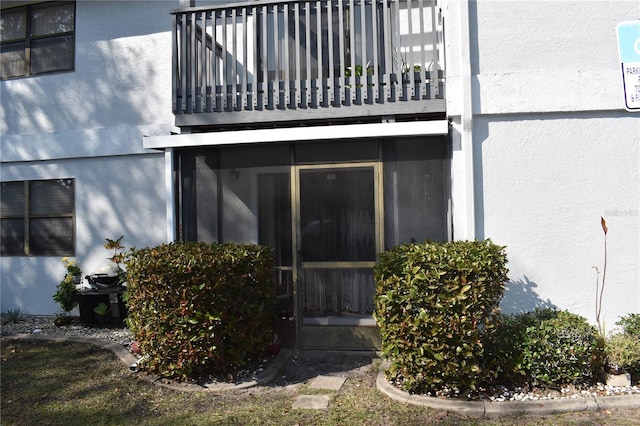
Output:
(433, 302)
(623, 348)
(545, 347)
(197, 309)
(502, 351)
(630, 325)
(623, 352)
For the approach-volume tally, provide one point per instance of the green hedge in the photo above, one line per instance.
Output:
(433, 303)
(623, 347)
(630, 325)
(545, 347)
(198, 309)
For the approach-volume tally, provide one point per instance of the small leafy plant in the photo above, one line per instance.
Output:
(66, 289)
(12, 316)
(623, 354)
(623, 347)
(630, 325)
(102, 309)
(118, 256)
(358, 71)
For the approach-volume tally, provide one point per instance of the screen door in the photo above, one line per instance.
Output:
(337, 239)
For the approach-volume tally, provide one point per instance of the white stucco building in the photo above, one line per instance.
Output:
(283, 123)
(86, 125)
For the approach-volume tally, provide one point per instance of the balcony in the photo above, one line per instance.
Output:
(294, 61)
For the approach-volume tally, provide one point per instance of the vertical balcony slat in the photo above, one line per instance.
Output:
(296, 46)
(206, 59)
(234, 60)
(364, 87)
(395, 30)
(176, 72)
(319, 84)
(224, 74)
(434, 68)
(197, 66)
(341, 59)
(200, 49)
(375, 41)
(423, 63)
(245, 56)
(265, 58)
(410, 61)
(199, 57)
(276, 57)
(254, 71)
(352, 51)
(206, 64)
(388, 61)
(285, 57)
(183, 63)
(192, 63)
(331, 78)
(385, 51)
(307, 45)
(214, 61)
(184, 46)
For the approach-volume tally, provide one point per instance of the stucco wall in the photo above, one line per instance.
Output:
(119, 91)
(88, 124)
(542, 186)
(114, 196)
(553, 149)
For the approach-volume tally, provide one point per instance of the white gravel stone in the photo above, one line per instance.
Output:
(45, 326)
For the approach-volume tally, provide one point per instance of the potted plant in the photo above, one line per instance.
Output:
(66, 294)
(103, 313)
(357, 72)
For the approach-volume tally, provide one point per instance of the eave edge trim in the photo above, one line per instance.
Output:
(348, 131)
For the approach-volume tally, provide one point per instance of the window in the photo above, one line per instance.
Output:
(37, 218)
(37, 39)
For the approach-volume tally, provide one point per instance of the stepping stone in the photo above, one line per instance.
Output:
(333, 383)
(313, 402)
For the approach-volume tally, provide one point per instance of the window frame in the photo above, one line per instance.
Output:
(29, 38)
(27, 216)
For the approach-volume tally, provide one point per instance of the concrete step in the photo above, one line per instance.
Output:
(319, 402)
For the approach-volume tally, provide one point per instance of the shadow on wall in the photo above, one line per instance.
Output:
(520, 296)
(119, 78)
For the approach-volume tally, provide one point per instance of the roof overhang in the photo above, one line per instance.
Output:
(311, 133)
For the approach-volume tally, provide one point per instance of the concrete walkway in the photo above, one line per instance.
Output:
(319, 402)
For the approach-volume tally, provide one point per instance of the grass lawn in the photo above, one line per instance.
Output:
(47, 383)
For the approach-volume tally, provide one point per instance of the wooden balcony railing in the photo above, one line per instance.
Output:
(277, 60)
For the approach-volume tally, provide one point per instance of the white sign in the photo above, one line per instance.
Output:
(629, 49)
